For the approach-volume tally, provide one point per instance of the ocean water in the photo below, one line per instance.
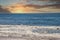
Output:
(39, 24)
(38, 19)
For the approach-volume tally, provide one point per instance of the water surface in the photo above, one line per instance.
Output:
(39, 19)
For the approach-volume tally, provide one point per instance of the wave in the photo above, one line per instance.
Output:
(26, 29)
(27, 32)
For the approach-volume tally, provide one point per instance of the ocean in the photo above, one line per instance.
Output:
(37, 19)
(38, 26)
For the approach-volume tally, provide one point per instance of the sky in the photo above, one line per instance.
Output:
(33, 6)
(7, 2)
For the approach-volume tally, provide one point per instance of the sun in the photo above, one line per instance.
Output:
(17, 8)
(20, 8)
(17, 11)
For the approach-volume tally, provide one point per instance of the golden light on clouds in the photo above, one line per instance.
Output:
(28, 6)
(22, 8)
(16, 8)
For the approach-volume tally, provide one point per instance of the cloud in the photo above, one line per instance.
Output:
(45, 0)
(3, 10)
(41, 2)
(32, 6)
(21, 8)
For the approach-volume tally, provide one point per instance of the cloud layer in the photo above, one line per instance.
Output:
(3, 10)
(22, 8)
(33, 6)
(41, 2)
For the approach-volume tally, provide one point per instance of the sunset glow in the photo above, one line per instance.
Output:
(16, 8)
(20, 8)
(29, 6)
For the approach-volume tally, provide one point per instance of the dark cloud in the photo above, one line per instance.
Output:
(3, 10)
(54, 0)
(38, 6)
(41, 2)
(45, 0)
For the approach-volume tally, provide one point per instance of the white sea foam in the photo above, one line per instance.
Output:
(6, 30)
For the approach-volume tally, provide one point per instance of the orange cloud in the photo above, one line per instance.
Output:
(23, 8)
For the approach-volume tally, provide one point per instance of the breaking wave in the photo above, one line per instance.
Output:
(26, 29)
